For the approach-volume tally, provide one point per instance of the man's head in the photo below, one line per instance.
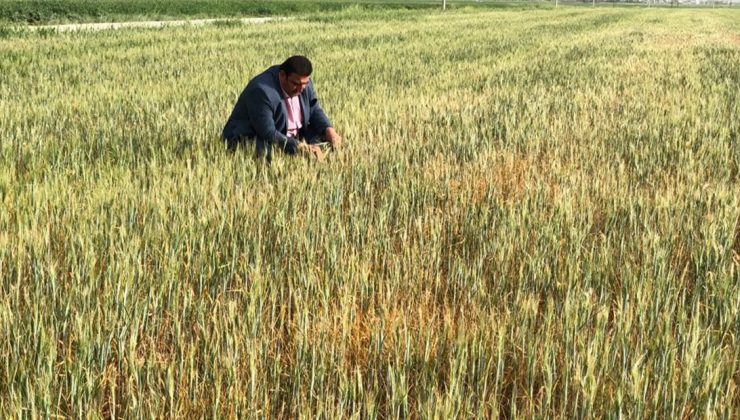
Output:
(295, 74)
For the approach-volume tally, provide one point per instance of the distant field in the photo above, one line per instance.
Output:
(537, 213)
(66, 11)
(60, 11)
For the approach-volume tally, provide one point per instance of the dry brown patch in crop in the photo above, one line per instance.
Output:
(512, 176)
(159, 349)
(475, 190)
(735, 40)
(503, 178)
(359, 337)
(420, 319)
(112, 384)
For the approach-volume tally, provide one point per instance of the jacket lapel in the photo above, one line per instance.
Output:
(282, 117)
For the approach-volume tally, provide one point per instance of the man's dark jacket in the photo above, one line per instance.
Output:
(260, 114)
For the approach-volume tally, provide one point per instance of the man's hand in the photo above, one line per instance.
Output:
(333, 137)
(311, 151)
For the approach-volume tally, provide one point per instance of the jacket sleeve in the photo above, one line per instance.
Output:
(261, 117)
(318, 120)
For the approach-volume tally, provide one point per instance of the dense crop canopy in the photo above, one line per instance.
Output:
(536, 213)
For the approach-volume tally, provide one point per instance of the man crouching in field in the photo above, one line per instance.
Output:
(279, 108)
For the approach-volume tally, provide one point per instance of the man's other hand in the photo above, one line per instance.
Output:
(333, 138)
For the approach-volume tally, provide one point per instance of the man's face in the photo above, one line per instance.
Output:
(293, 84)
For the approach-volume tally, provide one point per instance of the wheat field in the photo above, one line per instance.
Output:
(536, 214)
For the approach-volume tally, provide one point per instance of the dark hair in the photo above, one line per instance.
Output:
(297, 64)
